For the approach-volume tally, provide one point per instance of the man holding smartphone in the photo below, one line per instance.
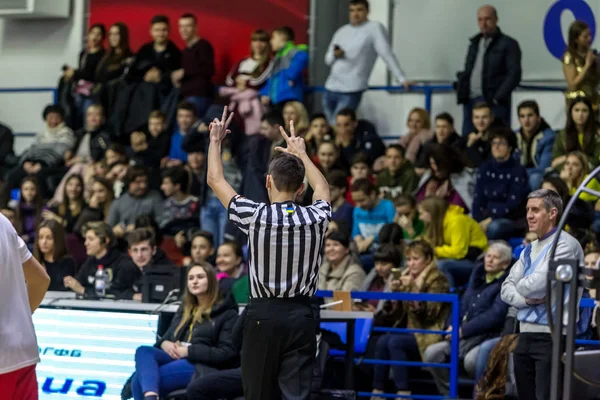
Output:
(351, 55)
(23, 285)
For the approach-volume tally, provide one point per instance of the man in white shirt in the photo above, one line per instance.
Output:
(23, 284)
(351, 55)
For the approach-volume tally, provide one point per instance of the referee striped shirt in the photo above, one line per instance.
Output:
(285, 245)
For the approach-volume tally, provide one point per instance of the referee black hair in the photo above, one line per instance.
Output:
(287, 173)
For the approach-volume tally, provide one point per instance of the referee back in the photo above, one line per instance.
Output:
(285, 247)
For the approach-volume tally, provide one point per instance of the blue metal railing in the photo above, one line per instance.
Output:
(33, 90)
(453, 366)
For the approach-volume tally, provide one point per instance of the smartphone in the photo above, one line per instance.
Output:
(396, 273)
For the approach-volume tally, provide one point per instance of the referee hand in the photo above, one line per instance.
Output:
(295, 144)
(218, 129)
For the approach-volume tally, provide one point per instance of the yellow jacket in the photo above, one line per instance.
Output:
(460, 233)
(594, 185)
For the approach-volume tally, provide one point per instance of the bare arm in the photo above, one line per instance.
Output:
(297, 147)
(37, 282)
(215, 178)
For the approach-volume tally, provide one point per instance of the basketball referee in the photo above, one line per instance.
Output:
(285, 246)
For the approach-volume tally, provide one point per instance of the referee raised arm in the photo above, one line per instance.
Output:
(285, 246)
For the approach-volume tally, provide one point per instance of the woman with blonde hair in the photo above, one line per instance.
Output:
(580, 66)
(418, 133)
(295, 111)
(457, 239)
(199, 337)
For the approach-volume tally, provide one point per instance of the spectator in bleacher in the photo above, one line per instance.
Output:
(341, 210)
(457, 238)
(525, 289)
(99, 244)
(245, 80)
(286, 79)
(501, 190)
(444, 133)
(351, 54)
(398, 176)
(195, 147)
(318, 131)
(339, 271)
(370, 214)
(158, 138)
(359, 169)
(98, 205)
(50, 250)
(580, 66)
(198, 339)
(386, 257)
(492, 69)
(417, 134)
(535, 141)
(155, 61)
(84, 77)
(46, 153)
(328, 158)
(229, 266)
(420, 276)
(180, 211)
(69, 210)
(186, 117)
(7, 153)
(476, 145)
(29, 209)
(482, 315)
(407, 217)
(137, 201)
(142, 249)
(252, 72)
(295, 111)
(448, 178)
(197, 66)
(581, 133)
(113, 64)
(11, 216)
(574, 171)
(202, 249)
(357, 136)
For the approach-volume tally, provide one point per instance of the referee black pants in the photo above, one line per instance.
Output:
(279, 348)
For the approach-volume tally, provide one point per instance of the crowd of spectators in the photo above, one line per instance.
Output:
(118, 179)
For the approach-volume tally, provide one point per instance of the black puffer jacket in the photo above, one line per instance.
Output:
(99, 142)
(211, 340)
(501, 69)
(121, 270)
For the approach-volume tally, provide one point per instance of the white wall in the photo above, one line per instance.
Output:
(32, 53)
(389, 111)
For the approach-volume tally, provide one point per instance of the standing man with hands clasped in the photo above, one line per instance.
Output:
(23, 284)
(285, 243)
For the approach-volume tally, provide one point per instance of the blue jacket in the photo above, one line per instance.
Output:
(541, 149)
(369, 222)
(501, 190)
(481, 308)
(288, 65)
(176, 152)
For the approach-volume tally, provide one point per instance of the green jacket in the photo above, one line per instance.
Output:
(403, 181)
(592, 152)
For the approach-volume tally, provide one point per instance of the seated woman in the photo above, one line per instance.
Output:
(340, 271)
(417, 134)
(230, 271)
(295, 111)
(199, 338)
(99, 241)
(328, 158)
(482, 315)
(67, 213)
(29, 210)
(201, 248)
(51, 251)
(448, 178)
(387, 257)
(580, 134)
(457, 238)
(318, 132)
(420, 276)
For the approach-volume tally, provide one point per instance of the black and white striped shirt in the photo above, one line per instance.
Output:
(285, 245)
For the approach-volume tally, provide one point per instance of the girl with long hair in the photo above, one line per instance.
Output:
(295, 111)
(50, 250)
(457, 239)
(580, 66)
(199, 337)
(29, 209)
(114, 61)
(67, 212)
(580, 134)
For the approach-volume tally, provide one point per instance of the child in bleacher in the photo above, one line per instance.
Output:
(149, 149)
(407, 216)
(398, 176)
(180, 211)
(360, 169)
(186, 117)
(341, 210)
